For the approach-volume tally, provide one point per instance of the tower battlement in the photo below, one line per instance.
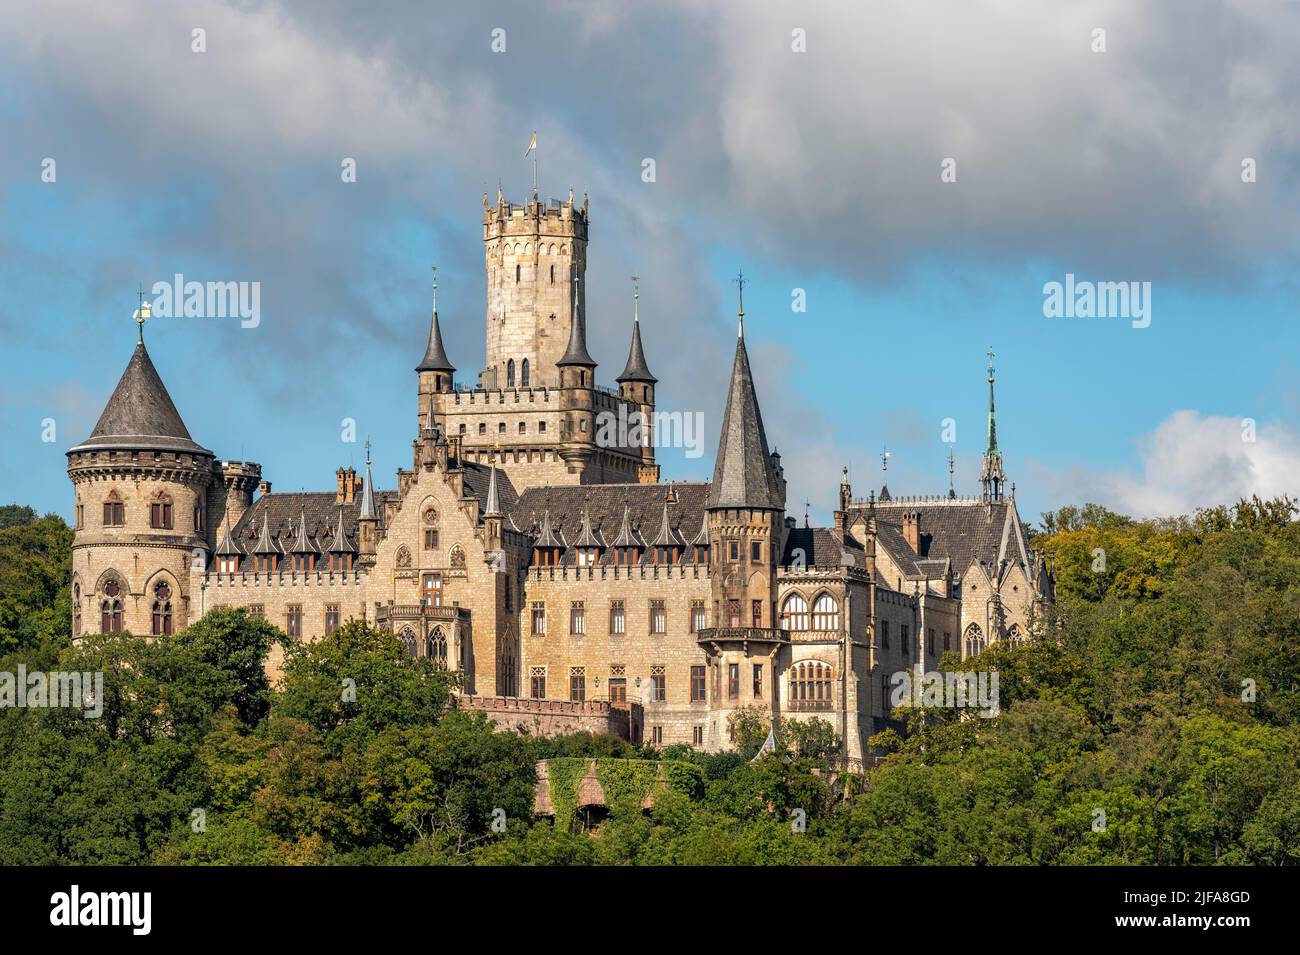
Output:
(552, 217)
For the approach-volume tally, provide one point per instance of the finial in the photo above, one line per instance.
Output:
(739, 280)
(636, 294)
(991, 353)
(367, 452)
(951, 464)
(142, 312)
(885, 455)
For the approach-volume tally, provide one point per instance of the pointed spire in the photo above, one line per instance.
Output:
(435, 356)
(577, 354)
(742, 473)
(626, 537)
(265, 545)
(492, 507)
(228, 547)
(586, 536)
(636, 368)
(992, 477)
(140, 414)
(547, 537)
(740, 281)
(340, 544)
(368, 490)
(302, 543)
(667, 536)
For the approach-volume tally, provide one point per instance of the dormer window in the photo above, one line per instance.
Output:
(227, 564)
(588, 556)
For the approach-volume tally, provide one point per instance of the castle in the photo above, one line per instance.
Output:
(544, 561)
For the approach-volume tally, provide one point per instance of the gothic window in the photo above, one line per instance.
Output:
(794, 613)
(577, 684)
(577, 618)
(810, 686)
(617, 620)
(733, 613)
(160, 512)
(110, 618)
(539, 618)
(403, 556)
(407, 636)
(697, 616)
(162, 609)
(457, 557)
(537, 683)
(510, 373)
(331, 618)
(757, 610)
(76, 609)
(436, 646)
(826, 613)
(523, 375)
(658, 684)
(114, 510)
(973, 641)
(293, 621)
(1014, 636)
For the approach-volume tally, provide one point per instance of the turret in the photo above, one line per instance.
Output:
(367, 517)
(577, 383)
(142, 509)
(637, 385)
(992, 477)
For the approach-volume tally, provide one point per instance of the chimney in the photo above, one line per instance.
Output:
(647, 474)
(912, 530)
(263, 488)
(340, 496)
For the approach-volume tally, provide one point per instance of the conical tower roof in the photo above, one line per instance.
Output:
(576, 353)
(636, 369)
(435, 356)
(742, 474)
(340, 543)
(140, 414)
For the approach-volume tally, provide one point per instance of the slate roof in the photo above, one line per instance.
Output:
(636, 368)
(435, 356)
(820, 548)
(282, 512)
(604, 505)
(140, 414)
(963, 531)
(742, 473)
(478, 478)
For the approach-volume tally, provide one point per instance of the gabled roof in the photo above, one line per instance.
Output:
(742, 473)
(140, 414)
(964, 531)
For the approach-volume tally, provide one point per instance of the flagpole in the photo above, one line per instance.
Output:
(534, 164)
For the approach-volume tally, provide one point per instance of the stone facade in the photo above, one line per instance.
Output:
(546, 563)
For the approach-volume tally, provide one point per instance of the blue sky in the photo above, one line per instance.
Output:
(817, 170)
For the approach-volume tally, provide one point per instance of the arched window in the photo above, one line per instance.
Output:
(1014, 636)
(794, 613)
(810, 686)
(973, 641)
(407, 636)
(110, 608)
(162, 609)
(510, 373)
(76, 609)
(523, 376)
(517, 273)
(435, 647)
(826, 613)
(482, 428)
(552, 274)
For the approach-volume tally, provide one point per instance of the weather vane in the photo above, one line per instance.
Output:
(885, 455)
(434, 270)
(142, 311)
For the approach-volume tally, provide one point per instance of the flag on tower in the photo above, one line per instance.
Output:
(531, 145)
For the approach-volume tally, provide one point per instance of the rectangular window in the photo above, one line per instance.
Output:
(577, 618)
(114, 513)
(733, 551)
(227, 565)
(577, 684)
(293, 621)
(657, 735)
(331, 618)
(947, 641)
(697, 616)
(697, 684)
(929, 642)
(539, 618)
(617, 620)
(537, 683)
(430, 538)
(432, 590)
(697, 735)
(758, 681)
(160, 515)
(884, 634)
(658, 617)
(618, 689)
(757, 607)
(733, 613)
(756, 551)
(81, 516)
(733, 680)
(658, 685)
(903, 643)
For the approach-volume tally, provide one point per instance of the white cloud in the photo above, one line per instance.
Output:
(1188, 461)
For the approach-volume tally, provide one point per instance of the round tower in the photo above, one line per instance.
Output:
(536, 256)
(142, 510)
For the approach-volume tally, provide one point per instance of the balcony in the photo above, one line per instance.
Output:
(389, 612)
(742, 635)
